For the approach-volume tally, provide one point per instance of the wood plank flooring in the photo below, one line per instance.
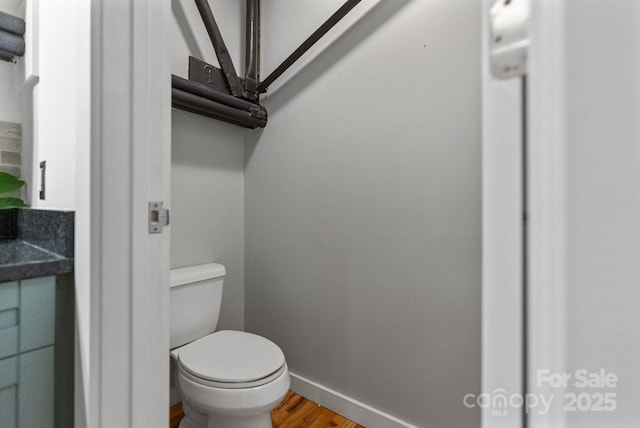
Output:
(295, 411)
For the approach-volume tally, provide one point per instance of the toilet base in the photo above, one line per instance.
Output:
(210, 407)
(187, 423)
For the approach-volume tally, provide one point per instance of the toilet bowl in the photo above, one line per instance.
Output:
(226, 379)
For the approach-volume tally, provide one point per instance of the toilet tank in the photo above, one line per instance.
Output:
(194, 302)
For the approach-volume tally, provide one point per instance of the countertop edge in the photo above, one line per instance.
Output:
(35, 269)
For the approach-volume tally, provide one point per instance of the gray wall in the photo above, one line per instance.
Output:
(363, 214)
(207, 184)
(207, 204)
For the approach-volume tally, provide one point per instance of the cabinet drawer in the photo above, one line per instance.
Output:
(8, 341)
(8, 372)
(27, 315)
(8, 295)
(9, 312)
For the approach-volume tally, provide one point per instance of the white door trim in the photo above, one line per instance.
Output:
(547, 199)
(502, 210)
(546, 196)
(130, 160)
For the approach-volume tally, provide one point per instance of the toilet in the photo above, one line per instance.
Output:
(226, 379)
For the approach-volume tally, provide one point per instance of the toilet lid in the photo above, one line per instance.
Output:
(231, 356)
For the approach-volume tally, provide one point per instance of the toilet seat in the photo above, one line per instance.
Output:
(231, 359)
(233, 385)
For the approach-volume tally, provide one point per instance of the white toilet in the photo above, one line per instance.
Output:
(226, 379)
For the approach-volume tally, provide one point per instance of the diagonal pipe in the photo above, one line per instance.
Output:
(222, 53)
(307, 44)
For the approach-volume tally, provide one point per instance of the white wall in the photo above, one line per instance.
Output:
(363, 213)
(10, 6)
(207, 192)
(10, 105)
(83, 204)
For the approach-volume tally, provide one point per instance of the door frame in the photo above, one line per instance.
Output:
(130, 167)
(547, 135)
(502, 238)
(504, 304)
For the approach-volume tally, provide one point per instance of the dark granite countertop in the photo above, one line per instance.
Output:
(21, 260)
(40, 244)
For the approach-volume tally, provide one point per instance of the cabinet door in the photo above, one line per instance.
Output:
(37, 313)
(9, 392)
(26, 390)
(8, 405)
(36, 389)
(27, 331)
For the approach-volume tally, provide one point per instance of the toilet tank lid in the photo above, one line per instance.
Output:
(191, 274)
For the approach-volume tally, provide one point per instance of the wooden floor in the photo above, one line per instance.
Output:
(295, 411)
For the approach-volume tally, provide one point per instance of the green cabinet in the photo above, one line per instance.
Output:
(27, 337)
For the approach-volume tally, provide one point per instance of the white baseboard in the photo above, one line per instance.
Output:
(346, 406)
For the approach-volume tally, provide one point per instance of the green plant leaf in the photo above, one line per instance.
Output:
(9, 183)
(7, 203)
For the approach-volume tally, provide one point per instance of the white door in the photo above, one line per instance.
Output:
(130, 162)
(583, 237)
(584, 282)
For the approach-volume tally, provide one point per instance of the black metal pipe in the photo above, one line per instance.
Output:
(206, 107)
(209, 115)
(307, 44)
(252, 48)
(12, 24)
(201, 106)
(206, 92)
(11, 43)
(222, 53)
